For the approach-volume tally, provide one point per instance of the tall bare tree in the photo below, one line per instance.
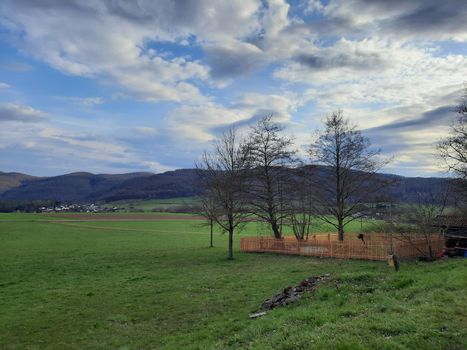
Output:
(453, 150)
(269, 156)
(348, 178)
(222, 178)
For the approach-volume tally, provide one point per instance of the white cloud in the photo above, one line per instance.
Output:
(84, 101)
(20, 113)
(156, 167)
(198, 122)
(70, 146)
(275, 18)
(111, 39)
(377, 81)
(280, 106)
(145, 131)
(203, 122)
(4, 86)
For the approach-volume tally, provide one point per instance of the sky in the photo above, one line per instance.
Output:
(115, 86)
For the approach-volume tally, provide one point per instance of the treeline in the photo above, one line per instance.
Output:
(29, 206)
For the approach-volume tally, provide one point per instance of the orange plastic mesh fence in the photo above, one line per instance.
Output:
(375, 247)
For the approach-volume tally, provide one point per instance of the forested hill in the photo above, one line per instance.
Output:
(86, 187)
(82, 187)
(12, 180)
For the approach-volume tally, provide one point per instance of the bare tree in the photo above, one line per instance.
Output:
(208, 210)
(300, 206)
(270, 156)
(423, 216)
(222, 179)
(348, 178)
(453, 149)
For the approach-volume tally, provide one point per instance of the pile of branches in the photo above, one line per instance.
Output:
(290, 294)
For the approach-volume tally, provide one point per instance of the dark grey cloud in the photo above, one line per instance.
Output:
(425, 19)
(244, 123)
(356, 61)
(330, 27)
(394, 138)
(132, 11)
(390, 139)
(180, 12)
(20, 113)
(433, 18)
(232, 61)
(436, 117)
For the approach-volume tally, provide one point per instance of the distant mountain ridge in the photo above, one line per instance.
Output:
(86, 187)
(11, 180)
(83, 186)
(78, 186)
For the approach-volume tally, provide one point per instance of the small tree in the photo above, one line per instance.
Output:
(222, 178)
(348, 179)
(423, 217)
(269, 156)
(208, 210)
(300, 207)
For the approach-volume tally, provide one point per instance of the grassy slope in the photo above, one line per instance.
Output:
(156, 285)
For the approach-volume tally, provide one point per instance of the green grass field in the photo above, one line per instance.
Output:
(156, 285)
(149, 205)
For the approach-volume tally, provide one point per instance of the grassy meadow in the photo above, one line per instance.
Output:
(157, 285)
(149, 205)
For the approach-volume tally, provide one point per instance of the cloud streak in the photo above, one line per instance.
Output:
(20, 113)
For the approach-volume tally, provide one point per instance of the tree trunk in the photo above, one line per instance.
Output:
(230, 244)
(276, 230)
(211, 243)
(340, 229)
(395, 260)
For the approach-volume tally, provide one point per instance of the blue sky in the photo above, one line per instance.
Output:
(117, 86)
